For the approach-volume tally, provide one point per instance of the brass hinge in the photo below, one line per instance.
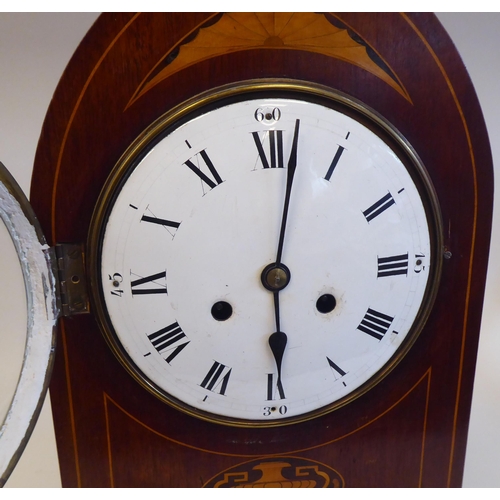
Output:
(72, 283)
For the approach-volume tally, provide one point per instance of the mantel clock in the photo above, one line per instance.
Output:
(270, 233)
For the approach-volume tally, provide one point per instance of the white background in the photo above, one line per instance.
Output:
(34, 50)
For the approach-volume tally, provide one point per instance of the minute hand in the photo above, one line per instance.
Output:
(292, 165)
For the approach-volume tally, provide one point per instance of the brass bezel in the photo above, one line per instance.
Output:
(221, 96)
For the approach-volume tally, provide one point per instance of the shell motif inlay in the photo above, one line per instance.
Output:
(233, 32)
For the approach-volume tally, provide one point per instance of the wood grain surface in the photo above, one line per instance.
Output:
(408, 431)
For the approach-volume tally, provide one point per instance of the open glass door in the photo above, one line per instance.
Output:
(26, 343)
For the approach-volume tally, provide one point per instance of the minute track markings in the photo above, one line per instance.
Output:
(271, 373)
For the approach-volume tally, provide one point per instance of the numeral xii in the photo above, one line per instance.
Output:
(275, 159)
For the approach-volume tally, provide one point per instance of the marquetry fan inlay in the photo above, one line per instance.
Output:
(238, 31)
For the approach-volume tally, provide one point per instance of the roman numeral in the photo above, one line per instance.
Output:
(217, 378)
(166, 338)
(336, 368)
(392, 266)
(275, 159)
(211, 182)
(149, 279)
(161, 222)
(335, 160)
(375, 324)
(380, 206)
(270, 388)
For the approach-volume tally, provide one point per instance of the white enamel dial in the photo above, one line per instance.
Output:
(196, 219)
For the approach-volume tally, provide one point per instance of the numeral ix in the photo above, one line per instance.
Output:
(159, 288)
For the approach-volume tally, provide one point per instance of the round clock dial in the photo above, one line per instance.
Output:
(265, 256)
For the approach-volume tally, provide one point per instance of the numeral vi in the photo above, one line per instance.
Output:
(271, 385)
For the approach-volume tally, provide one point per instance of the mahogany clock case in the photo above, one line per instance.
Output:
(411, 428)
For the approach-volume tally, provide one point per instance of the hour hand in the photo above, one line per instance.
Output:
(277, 342)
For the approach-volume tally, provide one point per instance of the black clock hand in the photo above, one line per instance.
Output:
(276, 276)
(278, 340)
(292, 165)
